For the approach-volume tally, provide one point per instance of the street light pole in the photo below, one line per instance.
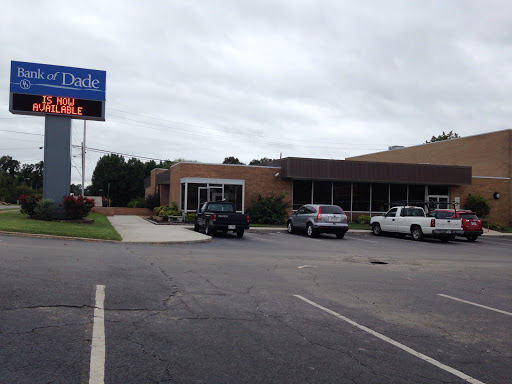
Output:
(83, 162)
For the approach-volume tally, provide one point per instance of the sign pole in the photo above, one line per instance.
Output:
(57, 158)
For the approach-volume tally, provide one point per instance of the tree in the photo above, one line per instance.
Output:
(264, 161)
(478, 204)
(108, 178)
(232, 160)
(444, 136)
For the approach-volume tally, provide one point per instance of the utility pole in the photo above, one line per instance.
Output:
(83, 162)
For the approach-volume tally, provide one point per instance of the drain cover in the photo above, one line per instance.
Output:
(378, 262)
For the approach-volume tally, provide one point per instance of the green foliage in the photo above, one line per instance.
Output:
(28, 204)
(167, 210)
(264, 161)
(444, 136)
(269, 210)
(190, 217)
(19, 179)
(139, 202)
(77, 207)
(152, 201)
(363, 219)
(45, 210)
(232, 160)
(478, 204)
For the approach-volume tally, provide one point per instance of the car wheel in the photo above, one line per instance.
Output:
(417, 233)
(340, 235)
(376, 230)
(472, 237)
(289, 227)
(208, 230)
(239, 233)
(310, 231)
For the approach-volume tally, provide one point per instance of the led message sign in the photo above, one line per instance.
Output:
(26, 104)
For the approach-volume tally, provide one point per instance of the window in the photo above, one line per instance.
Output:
(331, 209)
(416, 194)
(301, 193)
(322, 192)
(391, 213)
(398, 194)
(361, 199)
(233, 194)
(342, 195)
(380, 195)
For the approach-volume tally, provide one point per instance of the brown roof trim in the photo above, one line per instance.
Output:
(367, 171)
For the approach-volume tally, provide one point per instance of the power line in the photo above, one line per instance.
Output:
(25, 133)
(117, 153)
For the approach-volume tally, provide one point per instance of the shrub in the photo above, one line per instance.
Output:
(139, 202)
(152, 201)
(28, 204)
(363, 219)
(478, 204)
(45, 210)
(167, 210)
(77, 208)
(269, 210)
(190, 217)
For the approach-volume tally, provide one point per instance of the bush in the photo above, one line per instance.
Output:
(478, 204)
(269, 210)
(77, 208)
(45, 210)
(139, 202)
(152, 201)
(167, 210)
(363, 219)
(190, 217)
(28, 204)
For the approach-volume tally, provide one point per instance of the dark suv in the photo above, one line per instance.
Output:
(314, 219)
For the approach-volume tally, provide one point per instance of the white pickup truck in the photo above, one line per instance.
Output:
(412, 221)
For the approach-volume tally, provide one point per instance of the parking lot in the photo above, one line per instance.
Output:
(269, 307)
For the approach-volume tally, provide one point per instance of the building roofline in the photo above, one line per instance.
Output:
(227, 165)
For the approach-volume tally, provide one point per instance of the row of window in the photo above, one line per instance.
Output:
(364, 197)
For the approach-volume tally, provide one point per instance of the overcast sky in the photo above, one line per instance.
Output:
(203, 80)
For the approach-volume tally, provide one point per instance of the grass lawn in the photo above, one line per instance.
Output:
(14, 221)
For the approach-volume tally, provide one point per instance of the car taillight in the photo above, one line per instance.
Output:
(319, 216)
(247, 218)
(214, 217)
(433, 222)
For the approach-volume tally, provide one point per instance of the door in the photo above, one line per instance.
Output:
(389, 223)
(438, 202)
(215, 193)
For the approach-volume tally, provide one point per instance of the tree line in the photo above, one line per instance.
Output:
(19, 179)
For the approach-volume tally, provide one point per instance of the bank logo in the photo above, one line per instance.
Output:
(25, 84)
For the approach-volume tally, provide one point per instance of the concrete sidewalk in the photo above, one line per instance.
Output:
(134, 229)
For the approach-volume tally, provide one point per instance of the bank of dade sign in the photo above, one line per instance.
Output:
(41, 89)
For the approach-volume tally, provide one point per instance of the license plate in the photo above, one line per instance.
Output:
(335, 219)
(231, 226)
(473, 223)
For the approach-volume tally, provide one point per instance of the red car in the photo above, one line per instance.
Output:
(471, 224)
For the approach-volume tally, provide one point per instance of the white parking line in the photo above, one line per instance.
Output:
(430, 360)
(97, 371)
(478, 305)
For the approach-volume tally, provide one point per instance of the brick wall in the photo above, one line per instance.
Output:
(258, 180)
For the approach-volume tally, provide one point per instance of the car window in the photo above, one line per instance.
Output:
(391, 213)
(468, 216)
(310, 210)
(432, 214)
(331, 209)
(301, 210)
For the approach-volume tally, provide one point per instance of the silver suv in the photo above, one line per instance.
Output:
(319, 218)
